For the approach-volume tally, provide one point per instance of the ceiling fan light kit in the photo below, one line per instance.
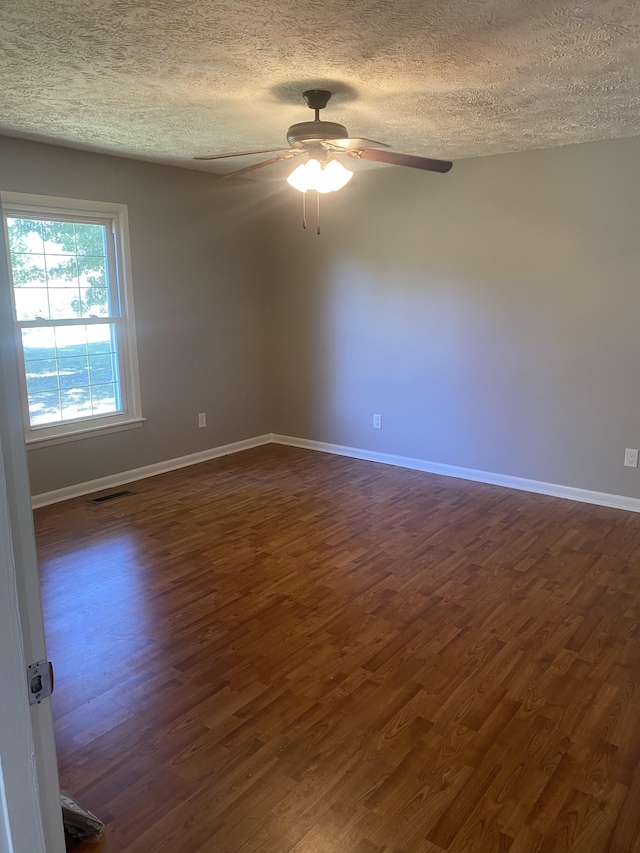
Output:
(321, 142)
(323, 178)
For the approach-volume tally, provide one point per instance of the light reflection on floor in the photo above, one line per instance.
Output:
(96, 617)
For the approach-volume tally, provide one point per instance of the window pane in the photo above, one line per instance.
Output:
(29, 270)
(102, 369)
(71, 306)
(25, 235)
(92, 274)
(95, 301)
(90, 239)
(64, 302)
(59, 237)
(32, 303)
(45, 408)
(38, 343)
(104, 399)
(62, 271)
(66, 258)
(72, 372)
(71, 341)
(100, 339)
(42, 375)
(76, 403)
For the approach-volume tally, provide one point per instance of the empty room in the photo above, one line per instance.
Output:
(319, 427)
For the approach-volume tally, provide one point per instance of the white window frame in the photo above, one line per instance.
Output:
(115, 217)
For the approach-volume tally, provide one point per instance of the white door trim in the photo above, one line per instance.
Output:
(20, 821)
(30, 814)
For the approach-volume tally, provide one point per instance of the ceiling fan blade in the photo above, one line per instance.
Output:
(396, 159)
(246, 169)
(240, 154)
(356, 142)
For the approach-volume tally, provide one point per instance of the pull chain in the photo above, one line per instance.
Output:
(304, 211)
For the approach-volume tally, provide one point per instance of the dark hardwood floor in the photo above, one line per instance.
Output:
(288, 652)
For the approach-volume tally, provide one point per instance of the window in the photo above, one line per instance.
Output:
(73, 313)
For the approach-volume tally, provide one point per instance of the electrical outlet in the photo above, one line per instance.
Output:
(377, 421)
(630, 458)
(202, 419)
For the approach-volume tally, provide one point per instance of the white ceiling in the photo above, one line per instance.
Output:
(170, 79)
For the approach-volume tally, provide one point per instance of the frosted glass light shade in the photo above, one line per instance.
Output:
(305, 176)
(325, 179)
(333, 177)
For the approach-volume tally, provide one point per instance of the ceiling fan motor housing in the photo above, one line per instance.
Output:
(315, 131)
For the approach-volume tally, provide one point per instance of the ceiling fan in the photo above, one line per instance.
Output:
(320, 142)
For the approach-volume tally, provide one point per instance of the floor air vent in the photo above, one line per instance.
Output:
(110, 497)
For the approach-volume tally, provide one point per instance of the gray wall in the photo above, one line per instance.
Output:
(200, 294)
(491, 315)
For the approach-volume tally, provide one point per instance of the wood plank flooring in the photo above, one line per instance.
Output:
(288, 652)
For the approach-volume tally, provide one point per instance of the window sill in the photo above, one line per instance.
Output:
(79, 434)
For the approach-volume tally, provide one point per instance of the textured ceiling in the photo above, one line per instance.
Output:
(170, 79)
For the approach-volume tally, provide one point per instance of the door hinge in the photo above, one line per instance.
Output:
(39, 681)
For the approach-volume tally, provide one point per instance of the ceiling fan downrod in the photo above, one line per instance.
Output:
(317, 131)
(316, 99)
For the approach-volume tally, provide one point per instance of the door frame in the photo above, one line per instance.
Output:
(30, 813)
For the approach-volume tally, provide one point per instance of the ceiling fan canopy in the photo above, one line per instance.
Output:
(317, 130)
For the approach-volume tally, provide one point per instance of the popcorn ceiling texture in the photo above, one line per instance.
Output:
(170, 79)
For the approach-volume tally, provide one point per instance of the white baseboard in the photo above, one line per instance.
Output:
(124, 477)
(537, 486)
